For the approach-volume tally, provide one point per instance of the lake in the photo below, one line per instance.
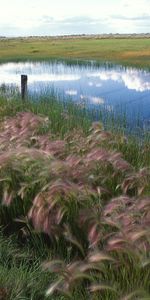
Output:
(114, 87)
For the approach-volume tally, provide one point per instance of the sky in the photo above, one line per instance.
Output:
(61, 17)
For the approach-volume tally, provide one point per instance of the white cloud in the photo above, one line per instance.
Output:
(135, 7)
(71, 92)
(132, 78)
(59, 17)
(92, 99)
(10, 73)
(135, 82)
(129, 16)
(96, 100)
(98, 85)
(90, 83)
(7, 79)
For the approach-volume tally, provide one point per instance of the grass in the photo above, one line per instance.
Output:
(131, 51)
(20, 271)
(76, 115)
(74, 210)
(64, 116)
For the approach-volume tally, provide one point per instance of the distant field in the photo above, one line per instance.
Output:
(127, 51)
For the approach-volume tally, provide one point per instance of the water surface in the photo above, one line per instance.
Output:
(114, 87)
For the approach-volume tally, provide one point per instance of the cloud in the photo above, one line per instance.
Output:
(132, 79)
(11, 79)
(71, 92)
(92, 99)
(72, 25)
(9, 30)
(96, 100)
(132, 17)
(134, 7)
(44, 17)
(98, 85)
(135, 82)
(82, 20)
(7, 74)
(144, 17)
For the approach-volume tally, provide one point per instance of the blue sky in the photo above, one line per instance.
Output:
(57, 17)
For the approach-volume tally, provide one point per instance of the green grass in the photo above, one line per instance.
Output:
(135, 52)
(20, 272)
(64, 116)
(22, 276)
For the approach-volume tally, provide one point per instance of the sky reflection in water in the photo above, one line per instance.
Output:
(114, 87)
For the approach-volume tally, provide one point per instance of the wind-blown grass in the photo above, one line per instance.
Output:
(84, 194)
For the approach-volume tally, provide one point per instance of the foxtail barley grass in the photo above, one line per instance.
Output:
(83, 193)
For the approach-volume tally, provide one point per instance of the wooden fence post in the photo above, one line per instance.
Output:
(24, 79)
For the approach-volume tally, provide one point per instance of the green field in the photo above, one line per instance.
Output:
(134, 51)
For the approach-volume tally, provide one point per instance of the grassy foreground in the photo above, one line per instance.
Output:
(135, 52)
(75, 206)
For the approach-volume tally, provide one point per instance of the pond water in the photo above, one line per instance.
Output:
(114, 87)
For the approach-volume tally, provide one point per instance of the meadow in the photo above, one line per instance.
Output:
(127, 51)
(75, 205)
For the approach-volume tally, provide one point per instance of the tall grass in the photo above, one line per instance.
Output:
(79, 196)
(63, 116)
(66, 115)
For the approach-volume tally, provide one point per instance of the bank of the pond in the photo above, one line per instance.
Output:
(64, 117)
